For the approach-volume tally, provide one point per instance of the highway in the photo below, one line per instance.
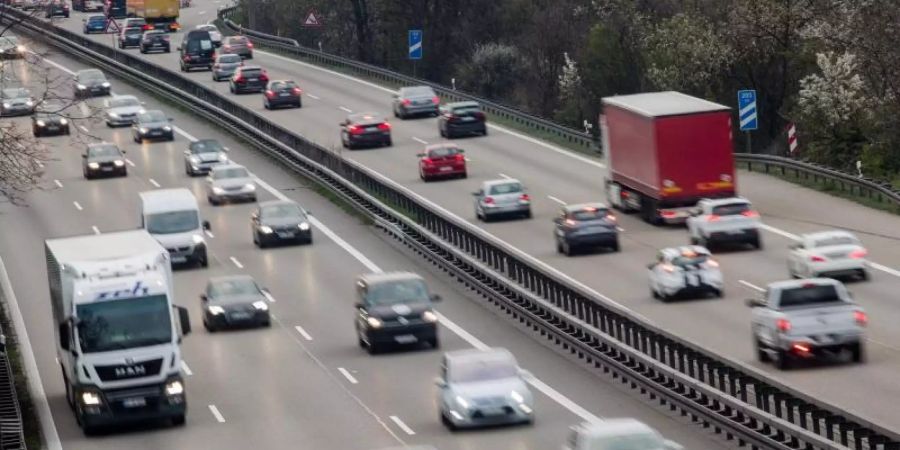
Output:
(304, 382)
(555, 176)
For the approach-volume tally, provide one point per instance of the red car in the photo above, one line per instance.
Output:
(442, 160)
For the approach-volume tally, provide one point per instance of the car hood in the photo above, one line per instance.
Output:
(390, 312)
(282, 221)
(152, 124)
(125, 110)
(207, 156)
(491, 388)
(231, 182)
(170, 240)
(237, 300)
(17, 100)
(102, 159)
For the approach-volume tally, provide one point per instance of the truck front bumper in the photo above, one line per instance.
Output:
(134, 404)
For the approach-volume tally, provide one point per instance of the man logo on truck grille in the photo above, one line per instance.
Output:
(131, 371)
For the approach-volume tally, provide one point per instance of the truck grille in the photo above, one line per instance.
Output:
(128, 371)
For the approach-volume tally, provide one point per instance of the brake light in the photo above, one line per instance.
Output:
(186, 58)
(801, 348)
(263, 77)
(427, 161)
(712, 218)
(270, 93)
(459, 157)
(524, 198)
(249, 45)
(668, 214)
(406, 102)
(817, 258)
(452, 118)
(384, 126)
(861, 318)
(353, 129)
(297, 91)
(147, 27)
(489, 200)
(611, 218)
(668, 268)
(436, 100)
(712, 263)
(859, 253)
(783, 325)
(239, 79)
(751, 214)
(479, 115)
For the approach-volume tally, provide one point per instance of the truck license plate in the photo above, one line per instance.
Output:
(134, 402)
(405, 339)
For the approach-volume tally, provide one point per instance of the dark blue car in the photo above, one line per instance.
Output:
(95, 24)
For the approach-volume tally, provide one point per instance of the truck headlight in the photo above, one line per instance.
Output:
(118, 163)
(261, 305)
(94, 165)
(198, 239)
(90, 398)
(250, 187)
(429, 317)
(304, 226)
(63, 122)
(216, 310)
(265, 229)
(374, 322)
(174, 387)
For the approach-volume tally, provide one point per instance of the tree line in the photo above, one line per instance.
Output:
(827, 66)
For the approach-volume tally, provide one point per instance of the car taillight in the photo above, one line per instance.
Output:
(427, 161)
(479, 115)
(571, 222)
(668, 214)
(452, 118)
(186, 58)
(859, 253)
(817, 258)
(712, 263)
(436, 100)
(801, 348)
(226, 47)
(783, 325)
(459, 157)
(217, 66)
(384, 126)
(249, 45)
(489, 200)
(270, 93)
(861, 318)
(525, 198)
(713, 218)
(239, 79)
(668, 268)
(406, 102)
(147, 27)
(263, 78)
(751, 214)
(353, 129)
(297, 91)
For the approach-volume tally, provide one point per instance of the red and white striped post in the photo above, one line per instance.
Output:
(792, 137)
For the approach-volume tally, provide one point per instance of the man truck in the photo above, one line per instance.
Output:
(162, 14)
(665, 151)
(117, 329)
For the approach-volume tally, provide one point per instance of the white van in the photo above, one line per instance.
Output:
(617, 434)
(172, 217)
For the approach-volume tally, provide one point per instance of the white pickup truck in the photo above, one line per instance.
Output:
(803, 319)
(724, 221)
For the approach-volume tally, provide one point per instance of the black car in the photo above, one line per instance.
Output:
(282, 93)
(91, 82)
(585, 225)
(57, 8)
(394, 309)
(152, 124)
(130, 37)
(279, 221)
(365, 129)
(233, 301)
(103, 159)
(248, 79)
(461, 118)
(155, 40)
(196, 50)
(48, 121)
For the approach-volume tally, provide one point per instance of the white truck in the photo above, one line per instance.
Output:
(117, 330)
(617, 434)
(724, 221)
(804, 319)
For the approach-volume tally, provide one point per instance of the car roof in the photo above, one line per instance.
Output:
(269, 203)
(501, 181)
(225, 278)
(662, 104)
(726, 201)
(673, 252)
(581, 206)
(89, 72)
(497, 354)
(176, 199)
(226, 166)
(441, 145)
(385, 277)
(613, 427)
(793, 284)
(466, 104)
(365, 117)
(828, 234)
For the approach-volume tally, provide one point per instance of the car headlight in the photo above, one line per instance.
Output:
(119, 163)
(63, 122)
(195, 160)
(223, 157)
(29, 103)
(197, 239)
(265, 229)
(143, 130)
(517, 397)
(114, 115)
(174, 387)
(94, 165)
(250, 187)
(216, 310)
(261, 305)
(41, 123)
(20, 48)
(81, 86)
(462, 402)
(429, 317)
(6, 105)
(141, 111)
(90, 398)
(218, 190)
(374, 322)
(167, 128)
(105, 84)
(304, 226)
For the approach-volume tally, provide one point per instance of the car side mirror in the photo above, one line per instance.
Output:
(184, 319)
(420, 155)
(440, 382)
(477, 193)
(651, 265)
(754, 303)
(65, 334)
(204, 298)
(84, 155)
(124, 151)
(206, 225)
(436, 297)
(358, 305)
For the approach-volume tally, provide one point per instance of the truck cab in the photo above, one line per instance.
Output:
(617, 434)
(722, 221)
(172, 217)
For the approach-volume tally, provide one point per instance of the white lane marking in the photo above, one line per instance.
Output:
(505, 176)
(421, 141)
(620, 229)
(209, 234)
(468, 159)
(347, 375)
(58, 183)
(55, 64)
(227, 149)
(77, 206)
(40, 164)
(556, 200)
(96, 230)
(184, 368)
(236, 262)
(35, 385)
(884, 269)
(751, 286)
(201, 13)
(268, 296)
(84, 128)
(303, 333)
(406, 429)
(215, 412)
(337, 74)
(344, 108)
(86, 111)
(130, 162)
(154, 183)
(314, 97)
(186, 135)
(783, 233)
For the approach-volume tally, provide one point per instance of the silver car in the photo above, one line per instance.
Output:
(225, 66)
(121, 110)
(483, 387)
(227, 182)
(16, 101)
(828, 254)
(416, 100)
(202, 155)
(505, 197)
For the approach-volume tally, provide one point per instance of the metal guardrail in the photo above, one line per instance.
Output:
(536, 124)
(864, 187)
(12, 430)
(733, 399)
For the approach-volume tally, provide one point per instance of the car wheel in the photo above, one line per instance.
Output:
(212, 201)
(484, 132)
(559, 246)
(615, 246)
(857, 353)
(299, 103)
(527, 214)
(178, 420)
(231, 88)
(757, 243)
(447, 422)
(718, 293)
(567, 248)
(434, 343)
(464, 175)
(694, 240)
(137, 140)
(441, 131)
(863, 274)
(143, 51)
(388, 143)
(209, 327)
(266, 104)
(761, 354)
(782, 360)
(373, 348)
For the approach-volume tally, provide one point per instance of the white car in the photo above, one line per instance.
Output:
(684, 271)
(619, 434)
(828, 253)
(724, 221)
(121, 110)
(228, 182)
(214, 35)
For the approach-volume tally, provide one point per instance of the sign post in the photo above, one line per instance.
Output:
(747, 113)
(415, 47)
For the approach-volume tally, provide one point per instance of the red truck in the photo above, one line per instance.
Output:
(665, 151)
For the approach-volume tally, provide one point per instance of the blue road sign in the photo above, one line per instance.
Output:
(415, 44)
(747, 109)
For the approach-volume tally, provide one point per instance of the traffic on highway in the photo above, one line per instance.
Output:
(133, 259)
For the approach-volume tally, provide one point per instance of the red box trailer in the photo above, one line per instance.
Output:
(665, 151)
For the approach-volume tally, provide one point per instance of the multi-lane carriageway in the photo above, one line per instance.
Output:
(304, 383)
(557, 176)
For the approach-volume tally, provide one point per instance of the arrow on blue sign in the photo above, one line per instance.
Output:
(747, 109)
(415, 44)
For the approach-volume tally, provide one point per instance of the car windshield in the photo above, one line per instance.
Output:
(442, 152)
(422, 91)
(173, 222)
(731, 210)
(152, 116)
(811, 295)
(224, 288)
(482, 370)
(836, 240)
(278, 85)
(589, 213)
(234, 172)
(15, 93)
(689, 260)
(280, 212)
(629, 442)
(229, 59)
(124, 323)
(103, 150)
(505, 188)
(91, 75)
(393, 292)
(121, 102)
(206, 146)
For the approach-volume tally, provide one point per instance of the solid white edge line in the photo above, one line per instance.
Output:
(303, 332)
(58, 183)
(421, 141)
(347, 375)
(77, 205)
(268, 296)
(215, 412)
(96, 230)
(184, 368)
(236, 262)
(406, 429)
(154, 183)
(556, 200)
(209, 234)
(313, 96)
(84, 128)
(130, 162)
(35, 386)
(503, 175)
(186, 135)
(345, 109)
(751, 286)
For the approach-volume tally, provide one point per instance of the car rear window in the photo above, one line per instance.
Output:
(590, 214)
(251, 72)
(466, 110)
(237, 40)
(505, 188)
(685, 261)
(277, 85)
(442, 152)
(134, 30)
(418, 91)
(836, 240)
(731, 210)
(809, 296)
(229, 59)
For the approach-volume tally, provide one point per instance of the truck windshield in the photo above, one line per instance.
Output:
(809, 296)
(173, 222)
(125, 323)
(628, 442)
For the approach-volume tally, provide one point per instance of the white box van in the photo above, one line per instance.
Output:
(172, 217)
(617, 434)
